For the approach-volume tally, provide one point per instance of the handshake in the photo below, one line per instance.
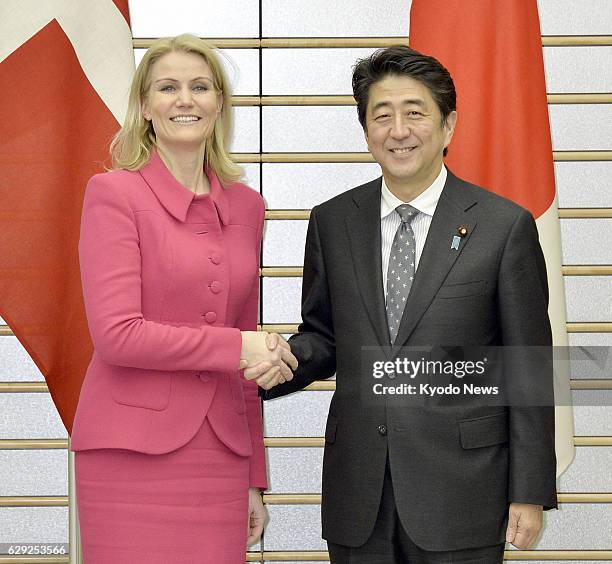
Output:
(266, 358)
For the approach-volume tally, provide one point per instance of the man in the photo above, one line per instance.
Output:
(421, 484)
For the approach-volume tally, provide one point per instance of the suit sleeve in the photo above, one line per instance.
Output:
(314, 345)
(248, 322)
(110, 261)
(523, 310)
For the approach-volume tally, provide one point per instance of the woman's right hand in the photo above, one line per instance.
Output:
(276, 363)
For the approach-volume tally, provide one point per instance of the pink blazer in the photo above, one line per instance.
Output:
(169, 280)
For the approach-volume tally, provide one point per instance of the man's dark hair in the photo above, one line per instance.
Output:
(399, 60)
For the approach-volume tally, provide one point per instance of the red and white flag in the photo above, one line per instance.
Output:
(65, 70)
(493, 51)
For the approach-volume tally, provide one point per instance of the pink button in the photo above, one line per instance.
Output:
(215, 286)
(210, 317)
(204, 377)
(215, 258)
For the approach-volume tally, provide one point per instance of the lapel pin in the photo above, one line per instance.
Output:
(462, 231)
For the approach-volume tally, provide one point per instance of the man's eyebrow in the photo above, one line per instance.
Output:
(380, 105)
(414, 102)
(408, 102)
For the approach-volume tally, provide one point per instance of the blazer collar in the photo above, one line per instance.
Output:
(456, 207)
(363, 224)
(175, 197)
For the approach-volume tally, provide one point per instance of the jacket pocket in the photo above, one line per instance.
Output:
(484, 431)
(462, 290)
(147, 389)
(330, 429)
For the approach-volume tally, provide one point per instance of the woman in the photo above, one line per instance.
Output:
(168, 434)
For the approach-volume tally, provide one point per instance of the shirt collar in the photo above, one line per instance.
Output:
(174, 196)
(425, 202)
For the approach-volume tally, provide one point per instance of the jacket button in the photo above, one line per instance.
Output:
(215, 286)
(204, 377)
(382, 429)
(210, 317)
(215, 258)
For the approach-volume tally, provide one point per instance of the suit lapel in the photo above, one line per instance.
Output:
(363, 226)
(454, 209)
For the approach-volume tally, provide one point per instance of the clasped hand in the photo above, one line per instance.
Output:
(266, 358)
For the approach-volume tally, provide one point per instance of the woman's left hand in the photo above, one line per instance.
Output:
(258, 515)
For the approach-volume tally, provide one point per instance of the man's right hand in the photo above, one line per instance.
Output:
(266, 373)
(266, 358)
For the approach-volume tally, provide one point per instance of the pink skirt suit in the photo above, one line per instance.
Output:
(167, 434)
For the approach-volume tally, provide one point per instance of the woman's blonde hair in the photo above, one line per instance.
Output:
(131, 147)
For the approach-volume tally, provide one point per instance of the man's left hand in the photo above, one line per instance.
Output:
(524, 524)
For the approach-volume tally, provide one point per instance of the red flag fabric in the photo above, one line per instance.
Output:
(502, 141)
(493, 51)
(56, 129)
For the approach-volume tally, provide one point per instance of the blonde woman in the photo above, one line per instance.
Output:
(168, 435)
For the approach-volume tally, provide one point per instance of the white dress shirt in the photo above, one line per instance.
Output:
(425, 202)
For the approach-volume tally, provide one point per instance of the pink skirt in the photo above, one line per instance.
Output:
(185, 507)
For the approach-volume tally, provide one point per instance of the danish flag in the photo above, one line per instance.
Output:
(493, 51)
(65, 71)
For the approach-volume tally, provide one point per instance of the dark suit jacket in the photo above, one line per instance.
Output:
(454, 469)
